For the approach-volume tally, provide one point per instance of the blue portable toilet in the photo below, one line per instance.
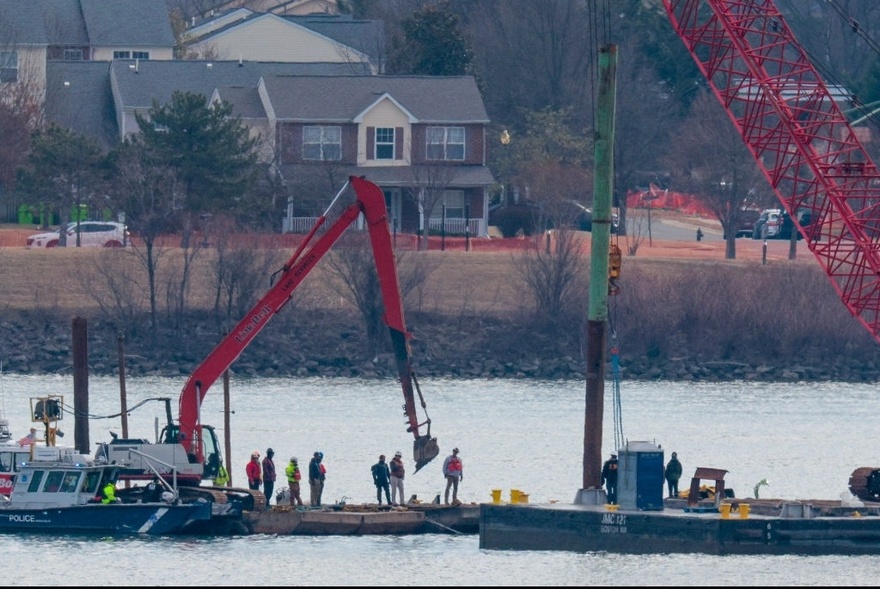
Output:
(640, 477)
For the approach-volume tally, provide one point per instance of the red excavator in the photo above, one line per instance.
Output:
(189, 448)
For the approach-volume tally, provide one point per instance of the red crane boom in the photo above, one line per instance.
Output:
(797, 134)
(370, 201)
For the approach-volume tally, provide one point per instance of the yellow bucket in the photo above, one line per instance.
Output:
(496, 496)
(744, 510)
(725, 510)
(514, 495)
(523, 497)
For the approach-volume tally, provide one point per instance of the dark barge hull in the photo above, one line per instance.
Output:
(365, 520)
(588, 528)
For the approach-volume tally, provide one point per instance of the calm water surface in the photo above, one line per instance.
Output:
(805, 439)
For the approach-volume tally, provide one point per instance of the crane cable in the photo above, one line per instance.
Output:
(614, 351)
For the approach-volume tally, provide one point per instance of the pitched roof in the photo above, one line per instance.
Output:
(245, 101)
(85, 22)
(367, 36)
(440, 99)
(127, 22)
(139, 83)
(78, 98)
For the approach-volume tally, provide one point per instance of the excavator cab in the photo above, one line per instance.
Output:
(425, 449)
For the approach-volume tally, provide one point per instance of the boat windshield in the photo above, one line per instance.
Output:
(92, 479)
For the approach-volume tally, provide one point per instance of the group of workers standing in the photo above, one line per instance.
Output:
(672, 473)
(388, 477)
(263, 474)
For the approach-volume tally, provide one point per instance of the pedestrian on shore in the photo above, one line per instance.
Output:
(268, 475)
(672, 474)
(317, 476)
(254, 472)
(381, 478)
(453, 470)
(397, 473)
(609, 478)
(293, 477)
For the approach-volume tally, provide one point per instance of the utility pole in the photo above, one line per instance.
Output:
(603, 189)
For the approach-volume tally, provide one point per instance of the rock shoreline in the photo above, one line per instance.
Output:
(316, 350)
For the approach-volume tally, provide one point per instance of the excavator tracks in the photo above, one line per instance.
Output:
(236, 499)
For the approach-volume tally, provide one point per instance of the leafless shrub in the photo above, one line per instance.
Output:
(554, 271)
(678, 310)
(241, 270)
(354, 268)
(117, 284)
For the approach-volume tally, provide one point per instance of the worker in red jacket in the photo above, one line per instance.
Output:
(254, 472)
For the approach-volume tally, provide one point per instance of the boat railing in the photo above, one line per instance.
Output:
(149, 460)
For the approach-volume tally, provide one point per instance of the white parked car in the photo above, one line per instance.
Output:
(91, 234)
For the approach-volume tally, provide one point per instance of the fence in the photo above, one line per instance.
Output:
(435, 226)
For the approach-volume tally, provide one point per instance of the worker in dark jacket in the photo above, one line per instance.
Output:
(317, 475)
(268, 475)
(382, 479)
(609, 478)
(672, 474)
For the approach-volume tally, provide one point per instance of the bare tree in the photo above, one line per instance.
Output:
(147, 191)
(428, 186)
(354, 268)
(712, 163)
(241, 270)
(117, 286)
(554, 270)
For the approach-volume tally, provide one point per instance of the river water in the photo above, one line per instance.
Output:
(805, 439)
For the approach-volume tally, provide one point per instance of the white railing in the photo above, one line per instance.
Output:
(455, 226)
(298, 224)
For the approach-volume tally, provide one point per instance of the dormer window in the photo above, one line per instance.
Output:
(385, 143)
(73, 55)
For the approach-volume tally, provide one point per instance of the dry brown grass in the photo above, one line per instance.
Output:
(478, 280)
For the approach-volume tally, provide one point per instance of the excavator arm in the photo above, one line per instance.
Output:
(370, 201)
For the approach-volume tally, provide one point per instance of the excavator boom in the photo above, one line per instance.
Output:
(370, 201)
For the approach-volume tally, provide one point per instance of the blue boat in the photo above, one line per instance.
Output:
(57, 490)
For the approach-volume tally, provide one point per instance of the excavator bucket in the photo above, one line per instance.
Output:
(425, 449)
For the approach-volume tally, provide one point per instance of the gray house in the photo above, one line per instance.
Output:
(37, 32)
(422, 139)
(254, 36)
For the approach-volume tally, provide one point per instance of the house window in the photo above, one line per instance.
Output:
(122, 55)
(445, 143)
(73, 55)
(454, 201)
(385, 143)
(322, 143)
(140, 55)
(8, 66)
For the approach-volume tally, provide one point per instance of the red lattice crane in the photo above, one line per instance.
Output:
(797, 134)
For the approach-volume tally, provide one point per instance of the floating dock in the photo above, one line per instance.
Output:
(365, 519)
(765, 526)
